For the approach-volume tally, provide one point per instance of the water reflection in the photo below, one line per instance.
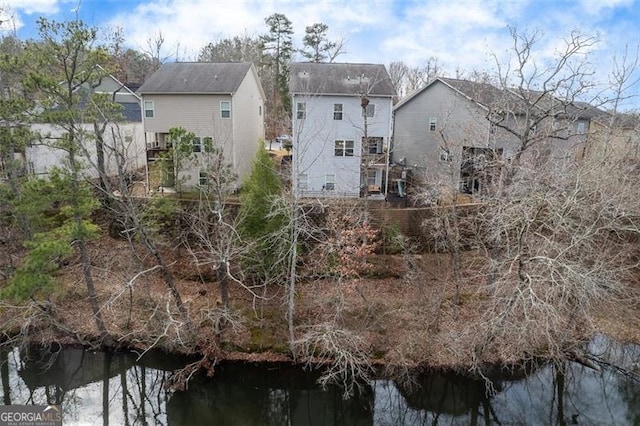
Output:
(117, 389)
(242, 395)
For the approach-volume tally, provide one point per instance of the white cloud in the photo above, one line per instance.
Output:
(192, 24)
(598, 7)
(459, 33)
(30, 7)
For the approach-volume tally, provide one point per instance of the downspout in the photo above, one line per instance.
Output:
(295, 143)
(147, 182)
(388, 151)
(233, 134)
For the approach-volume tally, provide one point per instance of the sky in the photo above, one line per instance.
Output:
(463, 35)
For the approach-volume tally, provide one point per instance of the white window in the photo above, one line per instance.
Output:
(203, 178)
(148, 109)
(301, 110)
(330, 182)
(197, 145)
(344, 148)
(207, 144)
(303, 181)
(445, 155)
(337, 111)
(432, 124)
(370, 110)
(225, 109)
(581, 127)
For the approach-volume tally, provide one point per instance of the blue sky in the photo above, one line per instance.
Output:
(461, 34)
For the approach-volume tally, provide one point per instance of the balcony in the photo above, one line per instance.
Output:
(374, 158)
(154, 152)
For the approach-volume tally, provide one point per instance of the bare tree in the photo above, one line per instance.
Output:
(557, 232)
(408, 79)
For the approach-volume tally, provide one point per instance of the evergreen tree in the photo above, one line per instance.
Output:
(15, 134)
(257, 225)
(62, 66)
(316, 43)
(278, 42)
(257, 191)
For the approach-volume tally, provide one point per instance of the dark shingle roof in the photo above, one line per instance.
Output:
(340, 79)
(196, 77)
(483, 93)
(516, 101)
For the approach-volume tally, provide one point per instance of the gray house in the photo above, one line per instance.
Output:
(342, 118)
(453, 132)
(222, 103)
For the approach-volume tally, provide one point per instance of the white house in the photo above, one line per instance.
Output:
(342, 125)
(123, 137)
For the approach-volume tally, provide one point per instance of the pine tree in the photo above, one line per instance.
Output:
(62, 65)
(278, 43)
(316, 43)
(256, 223)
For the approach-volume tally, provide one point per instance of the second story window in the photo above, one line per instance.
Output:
(432, 124)
(197, 145)
(148, 109)
(225, 109)
(337, 111)
(370, 110)
(301, 110)
(343, 148)
(581, 127)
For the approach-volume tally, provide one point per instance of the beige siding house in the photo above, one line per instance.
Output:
(221, 101)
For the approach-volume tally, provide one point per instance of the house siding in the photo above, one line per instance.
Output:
(248, 125)
(199, 114)
(41, 159)
(459, 122)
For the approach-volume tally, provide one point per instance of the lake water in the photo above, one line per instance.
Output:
(96, 388)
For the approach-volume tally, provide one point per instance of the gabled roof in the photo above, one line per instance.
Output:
(315, 78)
(483, 94)
(489, 97)
(196, 78)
